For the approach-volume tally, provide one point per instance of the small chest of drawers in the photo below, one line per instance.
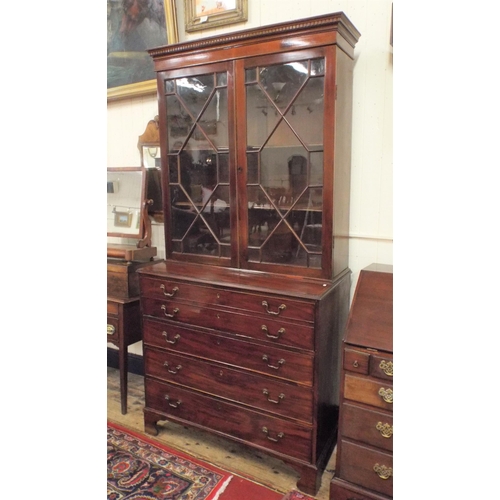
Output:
(250, 362)
(364, 469)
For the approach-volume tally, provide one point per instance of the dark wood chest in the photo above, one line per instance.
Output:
(364, 467)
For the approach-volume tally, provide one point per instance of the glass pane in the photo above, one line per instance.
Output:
(262, 117)
(318, 66)
(213, 120)
(221, 79)
(306, 113)
(285, 163)
(282, 82)
(179, 123)
(194, 92)
(250, 75)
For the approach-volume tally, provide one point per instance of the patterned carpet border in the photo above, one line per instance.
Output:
(140, 468)
(296, 495)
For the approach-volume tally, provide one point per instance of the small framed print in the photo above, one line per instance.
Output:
(207, 14)
(123, 219)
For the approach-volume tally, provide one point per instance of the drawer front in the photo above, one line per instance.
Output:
(356, 361)
(113, 308)
(262, 392)
(369, 426)
(340, 490)
(381, 366)
(269, 330)
(263, 359)
(246, 425)
(113, 335)
(267, 305)
(369, 391)
(366, 467)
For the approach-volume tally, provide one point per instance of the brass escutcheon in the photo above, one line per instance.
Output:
(384, 429)
(111, 329)
(386, 367)
(386, 394)
(383, 471)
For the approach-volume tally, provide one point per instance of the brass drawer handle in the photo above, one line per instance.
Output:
(173, 405)
(281, 331)
(386, 367)
(111, 330)
(164, 309)
(355, 363)
(173, 341)
(274, 367)
(280, 435)
(384, 429)
(167, 294)
(282, 307)
(383, 471)
(175, 370)
(386, 394)
(276, 401)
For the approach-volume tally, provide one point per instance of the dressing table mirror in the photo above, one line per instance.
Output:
(127, 214)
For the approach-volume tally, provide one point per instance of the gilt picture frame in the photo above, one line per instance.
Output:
(207, 14)
(134, 26)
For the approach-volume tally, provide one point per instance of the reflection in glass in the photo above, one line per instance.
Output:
(285, 162)
(198, 159)
(124, 200)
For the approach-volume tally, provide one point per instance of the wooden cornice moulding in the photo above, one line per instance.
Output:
(336, 22)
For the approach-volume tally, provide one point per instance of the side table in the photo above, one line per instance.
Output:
(124, 329)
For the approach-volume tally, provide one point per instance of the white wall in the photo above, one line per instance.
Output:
(371, 179)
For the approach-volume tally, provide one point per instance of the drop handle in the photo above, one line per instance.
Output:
(386, 395)
(282, 307)
(173, 405)
(383, 472)
(169, 294)
(173, 341)
(275, 401)
(281, 362)
(170, 370)
(279, 436)
(280, 332)
(174, 312)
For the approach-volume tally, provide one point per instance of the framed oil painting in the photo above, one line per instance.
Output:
(207, 14)
(134, 26)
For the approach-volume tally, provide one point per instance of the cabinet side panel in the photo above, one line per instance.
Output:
(342, 162)
(332, 319)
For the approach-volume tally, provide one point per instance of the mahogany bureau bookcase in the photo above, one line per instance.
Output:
(242, 321)
(364, 450)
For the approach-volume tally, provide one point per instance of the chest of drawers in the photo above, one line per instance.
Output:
(248, 356)
(364, 468)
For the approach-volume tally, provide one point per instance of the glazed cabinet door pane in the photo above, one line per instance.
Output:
(284, 158)
(198, 162)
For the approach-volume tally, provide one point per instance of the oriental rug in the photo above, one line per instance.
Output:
(140, 468)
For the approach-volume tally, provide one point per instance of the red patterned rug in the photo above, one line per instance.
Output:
(140, 468)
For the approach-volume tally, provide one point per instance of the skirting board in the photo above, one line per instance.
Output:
(135, 361)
